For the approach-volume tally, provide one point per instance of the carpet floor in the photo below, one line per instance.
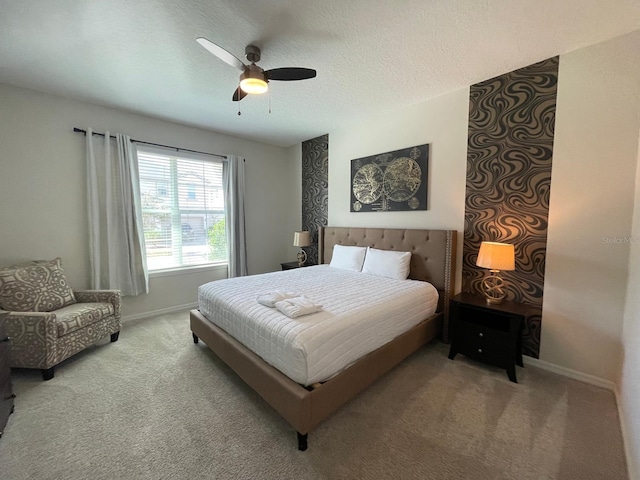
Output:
(156, 406)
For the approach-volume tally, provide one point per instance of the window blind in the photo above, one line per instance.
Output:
(183, 209)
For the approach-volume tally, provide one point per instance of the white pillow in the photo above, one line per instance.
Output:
(385, 263)
(348, 258)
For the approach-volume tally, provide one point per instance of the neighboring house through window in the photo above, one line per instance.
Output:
(191, 191)
(182, 208)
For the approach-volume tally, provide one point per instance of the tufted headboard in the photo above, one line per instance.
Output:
(433, 254)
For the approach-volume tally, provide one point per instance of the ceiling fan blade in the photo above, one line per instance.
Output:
(221, 53)
(290, 73)
(239, 94)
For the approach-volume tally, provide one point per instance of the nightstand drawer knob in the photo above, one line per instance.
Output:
(479, 350)
(481, 334)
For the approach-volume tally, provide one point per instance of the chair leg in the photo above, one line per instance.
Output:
(47, 373)
(114, 336)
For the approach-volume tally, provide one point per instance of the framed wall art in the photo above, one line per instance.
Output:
(392, 181)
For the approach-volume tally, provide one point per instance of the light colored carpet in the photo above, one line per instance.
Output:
(156, 406)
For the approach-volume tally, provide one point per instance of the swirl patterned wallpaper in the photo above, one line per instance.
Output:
(315, 189)
(509, 155)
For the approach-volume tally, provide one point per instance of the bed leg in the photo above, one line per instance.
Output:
(302, 441)
(195, 337)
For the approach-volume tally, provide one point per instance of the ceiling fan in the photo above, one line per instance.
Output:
(253, 79)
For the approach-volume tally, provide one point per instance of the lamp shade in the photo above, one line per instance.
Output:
(254, 86)
(302, 239)
(496, 256)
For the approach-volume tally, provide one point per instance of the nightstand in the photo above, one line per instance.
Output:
(485, 332)
(292, 265)
(6, 390)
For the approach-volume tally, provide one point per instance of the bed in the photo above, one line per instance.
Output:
(306, 402)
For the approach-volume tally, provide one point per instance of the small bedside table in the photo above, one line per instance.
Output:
(6, 389)
(292, 265)
(490, 333)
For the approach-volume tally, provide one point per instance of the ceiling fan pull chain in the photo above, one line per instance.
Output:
(269, 101)
(239, 113)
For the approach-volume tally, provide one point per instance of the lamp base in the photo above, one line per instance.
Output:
(494, 301)
(493, 288)
(302, 258)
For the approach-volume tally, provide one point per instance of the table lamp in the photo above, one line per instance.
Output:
(302, 239)
(495, 256)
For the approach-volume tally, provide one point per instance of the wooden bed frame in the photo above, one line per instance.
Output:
(432, 260)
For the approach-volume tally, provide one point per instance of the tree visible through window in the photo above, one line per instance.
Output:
(182, 209)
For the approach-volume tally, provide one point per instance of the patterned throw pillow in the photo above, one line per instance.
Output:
(35, 287)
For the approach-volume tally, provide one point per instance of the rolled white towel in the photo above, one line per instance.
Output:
(269, 299)
(297, 306)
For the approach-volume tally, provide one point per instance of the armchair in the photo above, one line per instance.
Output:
(46, 321)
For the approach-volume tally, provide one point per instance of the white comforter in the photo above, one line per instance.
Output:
(360, 313)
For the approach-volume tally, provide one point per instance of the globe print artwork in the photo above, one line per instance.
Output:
(367, 183)
(402, 179)
(391, 181)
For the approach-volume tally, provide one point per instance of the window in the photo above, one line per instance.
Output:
(183, 211)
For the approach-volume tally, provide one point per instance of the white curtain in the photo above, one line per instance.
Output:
(233, 181)
(116, 237)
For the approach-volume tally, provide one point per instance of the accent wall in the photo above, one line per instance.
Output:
(315, 190)
(509, 157)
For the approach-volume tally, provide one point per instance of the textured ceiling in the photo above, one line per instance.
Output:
(371, 55)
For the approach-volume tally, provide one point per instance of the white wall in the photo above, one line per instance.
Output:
(42, 189)
(442, 123)
(591, 205)
(629, 389)
(294, 157)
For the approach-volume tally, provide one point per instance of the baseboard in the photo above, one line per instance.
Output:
(568, 372)
(161, 311)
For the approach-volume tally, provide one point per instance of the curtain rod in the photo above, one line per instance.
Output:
(177, 149)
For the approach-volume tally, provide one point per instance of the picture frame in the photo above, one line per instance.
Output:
(391, 181)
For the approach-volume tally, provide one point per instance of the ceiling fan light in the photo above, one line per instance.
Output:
(253, 86)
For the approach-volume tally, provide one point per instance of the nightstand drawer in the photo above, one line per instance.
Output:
(483, 353)
(484, 343)
(481, 334)
(488, 352)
